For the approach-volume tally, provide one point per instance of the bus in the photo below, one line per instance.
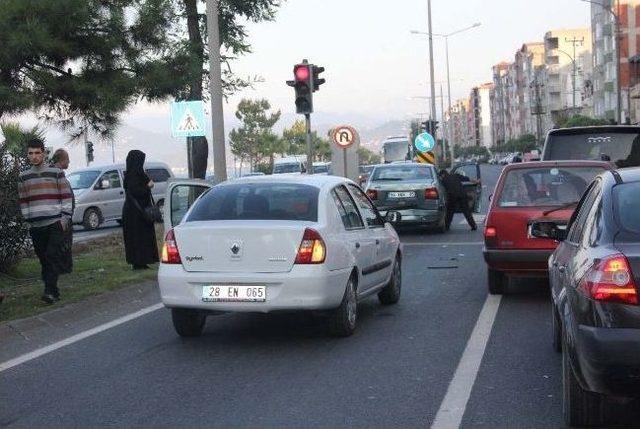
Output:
(396, 149)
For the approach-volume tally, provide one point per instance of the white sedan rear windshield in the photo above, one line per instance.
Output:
(546, 186)
(258, 201)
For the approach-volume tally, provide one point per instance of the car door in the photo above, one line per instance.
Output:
(180, 195)
(565, 265)
(110, 195)
(363, 243)
(382, 260)
(473, 186)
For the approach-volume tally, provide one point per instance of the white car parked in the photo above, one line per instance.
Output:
(264, 244)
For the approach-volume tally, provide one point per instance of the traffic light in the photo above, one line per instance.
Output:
(317, 81)
(429, 126)
(303, 86)
(424, 126)
(89, 152)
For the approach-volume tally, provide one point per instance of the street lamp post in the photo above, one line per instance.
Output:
(574, 72)
(446, 45)
(616, 23)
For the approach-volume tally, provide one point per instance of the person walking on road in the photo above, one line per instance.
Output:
(60, 159)
(140, 244)
(46, 204)
(457, 199)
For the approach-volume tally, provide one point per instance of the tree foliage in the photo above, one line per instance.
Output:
(295, 138)
(368, 157)
(579, 121)
(77, 60)
(254, 140)
(13, 231)
(524, 143)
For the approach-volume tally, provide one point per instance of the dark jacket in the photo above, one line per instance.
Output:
(139, 235)
(453, 184)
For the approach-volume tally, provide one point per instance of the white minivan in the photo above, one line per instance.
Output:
(99, 193)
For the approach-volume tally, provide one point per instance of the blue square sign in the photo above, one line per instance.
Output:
(187, 119)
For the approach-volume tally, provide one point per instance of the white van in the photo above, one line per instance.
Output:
(100, 196)
(290, 165)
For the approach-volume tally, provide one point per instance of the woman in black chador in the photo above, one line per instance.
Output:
(139, 234)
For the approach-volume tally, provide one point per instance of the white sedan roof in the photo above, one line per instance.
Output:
(319, 181)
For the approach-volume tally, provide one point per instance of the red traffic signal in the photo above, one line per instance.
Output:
(301, 73)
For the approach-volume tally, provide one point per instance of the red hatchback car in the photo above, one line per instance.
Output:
(527, 192)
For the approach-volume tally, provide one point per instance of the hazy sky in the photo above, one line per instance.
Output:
(374, 65)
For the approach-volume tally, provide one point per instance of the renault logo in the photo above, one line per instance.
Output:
(235, 248)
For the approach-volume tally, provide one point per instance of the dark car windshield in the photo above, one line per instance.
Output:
(82, 179)
(402, 172)
(545, 187)
(621, 148)
(258, 201)
(626, 200)
(292, 167)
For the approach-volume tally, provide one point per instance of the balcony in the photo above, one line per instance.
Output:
(635, 91)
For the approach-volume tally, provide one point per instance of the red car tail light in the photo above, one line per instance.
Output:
(372, 194)
(431, 194)
(170, 252)
(312, 249)
(610, 280)
(490, 235)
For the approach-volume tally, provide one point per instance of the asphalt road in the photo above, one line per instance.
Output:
(284, 371)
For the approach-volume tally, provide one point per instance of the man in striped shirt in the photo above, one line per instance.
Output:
(46, 204)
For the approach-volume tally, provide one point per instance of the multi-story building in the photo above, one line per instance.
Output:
(480, 101)
(603, 28)
(568, 61)
(529, 60)
(500, 102)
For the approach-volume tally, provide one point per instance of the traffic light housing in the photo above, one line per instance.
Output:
(429, 126)
(89, 152)
(306, 81)
(317, 80)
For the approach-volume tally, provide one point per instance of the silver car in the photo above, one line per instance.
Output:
(411, 190)
(99, 194)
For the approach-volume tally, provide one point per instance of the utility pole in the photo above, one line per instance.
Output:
(215, 86)
(575, 41)
(537, 109)
(431, 68)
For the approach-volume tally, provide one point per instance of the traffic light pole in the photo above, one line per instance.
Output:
(307, 118)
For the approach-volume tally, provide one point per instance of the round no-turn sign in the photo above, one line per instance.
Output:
(344, 136)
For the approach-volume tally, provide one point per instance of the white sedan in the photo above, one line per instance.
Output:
(264, 244)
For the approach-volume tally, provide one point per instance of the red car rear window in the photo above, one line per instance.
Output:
(544, 187)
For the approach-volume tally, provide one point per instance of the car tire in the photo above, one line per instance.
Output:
(343, 319)
(556, 329)
(497, 281)
(92, 219)
(390, 294)
(188, 323)
(579, 407)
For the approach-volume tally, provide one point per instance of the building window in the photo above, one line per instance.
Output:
(552, 43)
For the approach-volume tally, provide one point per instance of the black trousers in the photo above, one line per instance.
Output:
(49, 245)
(460, 205)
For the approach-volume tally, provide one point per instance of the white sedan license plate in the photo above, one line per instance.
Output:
(232, 293)
(408, 194)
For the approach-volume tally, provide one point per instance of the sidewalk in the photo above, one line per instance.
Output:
(22, 336)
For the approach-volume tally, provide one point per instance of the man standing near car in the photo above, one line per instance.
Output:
(457, 199)
(46, 204)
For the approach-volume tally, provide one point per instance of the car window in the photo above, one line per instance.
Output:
(402, 173)
(626, 206)
(258, 201)
(182, 198)
(470, 171)
(351, 218)
(82, 179)
(543, 187)
(593, 228)
(367, 209)
(112, 177)
(158, 175)
(578, 225)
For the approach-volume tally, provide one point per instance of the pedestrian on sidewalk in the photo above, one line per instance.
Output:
(60, 159)
(139, 232)
(46, 204)
(457, 199)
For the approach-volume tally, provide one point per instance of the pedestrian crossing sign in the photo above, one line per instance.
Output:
(187, 119)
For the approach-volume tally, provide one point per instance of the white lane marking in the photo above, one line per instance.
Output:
(78, 337)
(444, 244)
(454, 404)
